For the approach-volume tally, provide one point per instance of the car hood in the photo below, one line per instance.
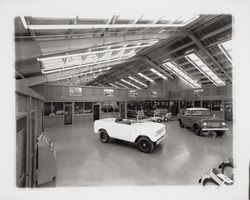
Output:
(148, 126)
(208, 119)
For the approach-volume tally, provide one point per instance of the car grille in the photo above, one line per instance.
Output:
(213, 124)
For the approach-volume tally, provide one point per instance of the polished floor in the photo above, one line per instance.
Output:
(82, 160)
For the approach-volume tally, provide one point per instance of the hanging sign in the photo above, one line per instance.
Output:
(153, 94)
(108, 92)
(75, 91)
(133, 93)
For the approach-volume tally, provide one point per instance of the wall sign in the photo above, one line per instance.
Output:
(133, 93)
(75, 91)
(153, 94)
(108, 92)
(198, 92)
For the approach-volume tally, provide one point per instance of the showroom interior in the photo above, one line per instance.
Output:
(71, 72)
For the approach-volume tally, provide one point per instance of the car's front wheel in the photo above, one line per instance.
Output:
(104, 137)
(209, 181)
(145, 145)
(220, 133)
(197, 130)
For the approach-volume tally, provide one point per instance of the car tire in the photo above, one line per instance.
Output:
(181, 124)
(165, 119)
(145, 145)
(209, 181)
(197, 130)
(158, 120)
(225, 168)
(104, 137)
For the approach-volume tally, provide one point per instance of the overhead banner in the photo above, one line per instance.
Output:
(75, 91)
(133, 93)
(108, 92)
(153, 94)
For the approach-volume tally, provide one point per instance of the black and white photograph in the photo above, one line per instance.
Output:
(127, 100)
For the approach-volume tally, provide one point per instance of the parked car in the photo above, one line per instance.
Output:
(201, 121)
(146, 134)
(136, 114)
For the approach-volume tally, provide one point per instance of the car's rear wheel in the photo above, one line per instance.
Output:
(181, 124)
(158, 120)
(165, 119)
(145, 145)
(197, 130)
(104, 137)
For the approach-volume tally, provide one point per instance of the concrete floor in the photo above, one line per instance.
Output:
(82, 160)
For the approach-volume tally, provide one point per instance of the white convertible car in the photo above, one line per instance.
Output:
(145, 134)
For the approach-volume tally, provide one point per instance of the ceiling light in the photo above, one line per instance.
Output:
(121, 84)
(113, 85)
(226, 48)
(147, 78)
(203, 68)
(130, 84)
(179, 72)
(158, 73)
(137, 81)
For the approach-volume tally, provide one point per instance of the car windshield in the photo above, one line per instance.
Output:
(201, 112)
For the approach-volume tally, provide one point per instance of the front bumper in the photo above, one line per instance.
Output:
(215, 129)
(161, 139)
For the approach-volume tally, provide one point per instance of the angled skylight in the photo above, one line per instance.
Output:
(179, 72)
(135, 86)
(145, 77)
(121, 84)
(226, 48)
(113, 85)
(158, 73)
(137, 81)
(93, 56)
(203, 68)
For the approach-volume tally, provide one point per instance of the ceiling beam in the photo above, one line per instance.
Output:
(208, 54)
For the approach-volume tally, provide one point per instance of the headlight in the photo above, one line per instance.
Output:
(204, 123)
(223, 123)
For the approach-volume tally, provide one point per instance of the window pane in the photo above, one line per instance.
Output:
(87, 107)
(78, 107)
(206, 104)
(58, 108)
(217, 105)
(189, 104)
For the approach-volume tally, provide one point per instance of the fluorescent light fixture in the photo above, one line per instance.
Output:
(182, 22)
(121, 84)
(147, 78)
(179, 72)
(203, 68)
(93, 56)
(226, 48)
(130, 77)
(130, 84)
(158, 73)
(113, 85)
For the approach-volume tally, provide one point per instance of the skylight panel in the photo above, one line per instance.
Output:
(203, 68)
(137, 81)
(130, 84)
(226, 48)
(158, 73)
(180, 73)
(113, 85)
(121, 84)
(145, 77)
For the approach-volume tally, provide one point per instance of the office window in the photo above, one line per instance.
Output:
(87, 107)
(217, 105)
(78, 107)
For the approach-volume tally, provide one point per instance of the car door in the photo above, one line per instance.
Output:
(185, 119)
(121, 131)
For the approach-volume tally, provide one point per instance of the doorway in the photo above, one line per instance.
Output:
(96, 112)
(67, 113)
